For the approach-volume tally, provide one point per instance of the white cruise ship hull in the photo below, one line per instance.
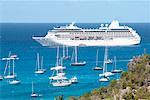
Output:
(44, 41)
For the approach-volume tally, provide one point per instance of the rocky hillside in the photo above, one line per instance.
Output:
(133, 85)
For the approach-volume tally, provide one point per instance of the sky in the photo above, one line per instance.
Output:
(80, 11)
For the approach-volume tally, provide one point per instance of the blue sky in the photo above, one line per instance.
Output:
(81, 11)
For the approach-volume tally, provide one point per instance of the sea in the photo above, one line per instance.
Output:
(17, 38)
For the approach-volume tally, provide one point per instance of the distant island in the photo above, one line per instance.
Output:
(133, 85)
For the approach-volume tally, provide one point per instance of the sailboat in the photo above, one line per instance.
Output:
(97, 67)
(116, 70)
(14, 80)
(33, 94)
(76, 63)
(10, 74)
(39, 69)
(105, 72)
(58, 77)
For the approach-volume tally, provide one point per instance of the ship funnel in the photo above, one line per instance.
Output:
(114, 24)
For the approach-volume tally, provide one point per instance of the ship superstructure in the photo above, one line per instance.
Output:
(105, 35)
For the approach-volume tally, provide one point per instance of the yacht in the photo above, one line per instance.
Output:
(113, 34)
(115, 69)
(105, 72)
(39, 67)
(9, 72)
(97, 67)
(33, 94)
(14, 81)
(74, 59)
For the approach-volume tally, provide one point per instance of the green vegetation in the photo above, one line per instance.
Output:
(133, 85)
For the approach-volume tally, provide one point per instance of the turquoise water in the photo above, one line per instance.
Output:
(17, 39)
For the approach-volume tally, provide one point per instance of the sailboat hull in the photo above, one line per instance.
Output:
(78, 64)
(39, 72)
(116, 71)
(97, 68)
(9, 76)
(61, 84)
(14, 82)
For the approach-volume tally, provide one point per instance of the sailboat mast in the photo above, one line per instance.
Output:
(115, 61)
(63, 51)
(9, 66)
(57, 58)
(61, 61)
(42, 62)
(76, 54)
(67, 51)
(106, 58)
(9, 62)
(97, 58)
(32, 88)
(13, 66)
(6, 67)
(38, 64)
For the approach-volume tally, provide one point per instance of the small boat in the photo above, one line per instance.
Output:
(14, 81)
(106, 74)
(104, 79)
(116, 70)
(39, 69)
(97, 67)
(74, 80)
(33, 94)
(1, 77)
(76, 63)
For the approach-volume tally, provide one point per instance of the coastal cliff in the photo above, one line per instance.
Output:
(133, 85)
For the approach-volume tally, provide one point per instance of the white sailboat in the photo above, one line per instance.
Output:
(105, 74)
(97, 67)
(58, 77)
(10, 74)
(33, 94)
(76, 63)
(39, 68)
(14, 80)
(115, 69)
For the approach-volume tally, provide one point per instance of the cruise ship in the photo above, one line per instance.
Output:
(106, 35)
